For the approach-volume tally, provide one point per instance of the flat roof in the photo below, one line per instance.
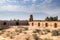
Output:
(44, 21)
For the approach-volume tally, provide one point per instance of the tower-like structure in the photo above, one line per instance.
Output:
(31, 18)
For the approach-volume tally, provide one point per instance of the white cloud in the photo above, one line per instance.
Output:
(33, 1)
(8, 7)
(11, 0)
(47, 10)
(15, 8)
(48, 1)
(34, 8)
(2, 1)
(25, 1)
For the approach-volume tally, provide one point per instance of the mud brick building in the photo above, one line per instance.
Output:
(30, 23)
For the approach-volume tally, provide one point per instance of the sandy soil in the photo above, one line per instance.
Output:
(14, 33)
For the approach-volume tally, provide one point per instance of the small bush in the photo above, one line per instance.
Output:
(18, 30)
(47, 39)
(17, 33)
(55, 33)
(47, 30)
(7, 34)
(59, 31)
(35, 37)
(27, 38)
(11, 37)
(36, 31)
(2, 31)
(25, 32)
(42, 33)
(26, 28)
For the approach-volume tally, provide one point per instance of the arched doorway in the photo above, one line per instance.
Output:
(38, 24)
(32, 24)
(46, 24)
(55, 25)
(17, 23)
(4, 23)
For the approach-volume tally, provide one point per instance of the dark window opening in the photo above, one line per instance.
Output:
(4, 23)
(17, 23)
(32, 24)
(27, 23)
(46, 24)
(55, 25)
(38, 24)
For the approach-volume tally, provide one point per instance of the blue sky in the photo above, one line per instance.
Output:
(21, 9)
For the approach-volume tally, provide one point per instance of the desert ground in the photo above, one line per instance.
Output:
(24, 33)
